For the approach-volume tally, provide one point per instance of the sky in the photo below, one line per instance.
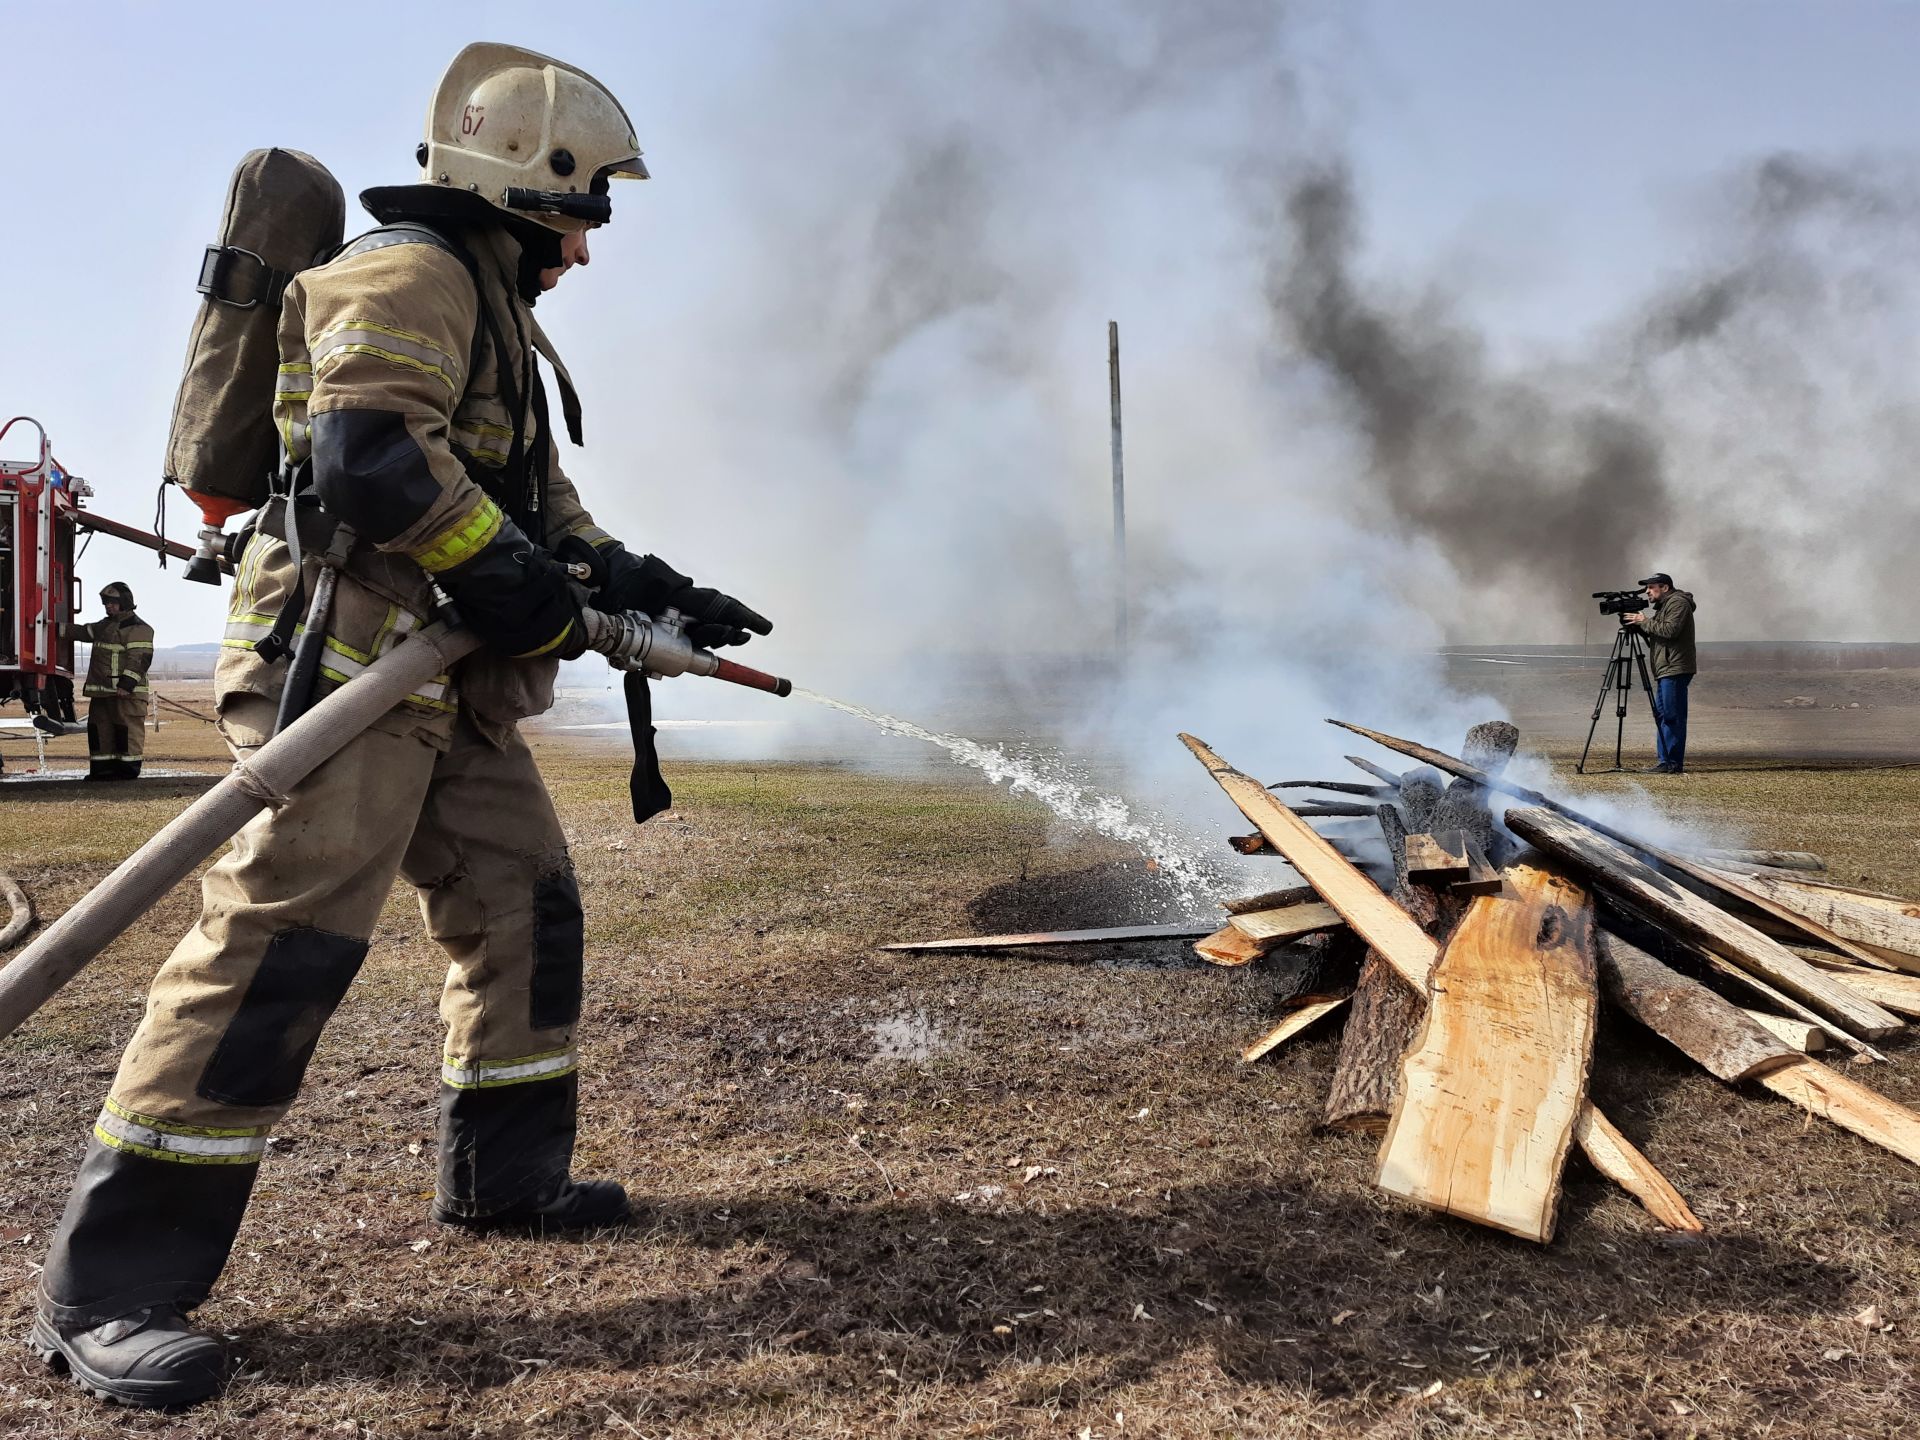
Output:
(845, 354)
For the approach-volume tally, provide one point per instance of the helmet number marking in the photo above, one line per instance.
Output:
(472, 118)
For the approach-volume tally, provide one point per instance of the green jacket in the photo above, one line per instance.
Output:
(1669, 630)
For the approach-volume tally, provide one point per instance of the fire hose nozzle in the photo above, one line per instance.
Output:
(659, 647)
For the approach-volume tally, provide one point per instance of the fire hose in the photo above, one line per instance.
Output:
(262, 780)
(21, 908)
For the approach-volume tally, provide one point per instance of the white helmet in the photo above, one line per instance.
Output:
(529, 134)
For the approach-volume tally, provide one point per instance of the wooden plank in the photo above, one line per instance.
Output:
(1491, 1090)
(1438, 859)
(1379, 772)
(1642, 889)
(1113, 934)
(1270, 900)
(1900, 993)
(1290, 922)
(1227, 946)
(1883, 924)
(1786, 1004)
(1772, 859)
(1805, 1038)
(1720, 888)
(1338, 787)
(1482, 878)
(1333, 809)
(1380, 922)
(1616, 1157)
(1310, 1011)
(1401, 943)
(1732, 1047)
(1712, 1031)
(1827, 1093)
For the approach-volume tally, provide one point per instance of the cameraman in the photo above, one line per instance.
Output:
(1669, 628)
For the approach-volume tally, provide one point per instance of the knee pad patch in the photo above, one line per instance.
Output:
(559, 943)
(263, 1056)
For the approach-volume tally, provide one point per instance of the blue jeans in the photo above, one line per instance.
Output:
(1670, 725)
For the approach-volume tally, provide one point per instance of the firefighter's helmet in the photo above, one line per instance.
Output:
(118, 592)
(529, 134)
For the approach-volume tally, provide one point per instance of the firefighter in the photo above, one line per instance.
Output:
(116, 685)
(409, 392)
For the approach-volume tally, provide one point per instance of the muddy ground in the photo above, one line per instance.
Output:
(895, 1195)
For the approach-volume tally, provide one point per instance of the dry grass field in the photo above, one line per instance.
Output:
(965, 1195)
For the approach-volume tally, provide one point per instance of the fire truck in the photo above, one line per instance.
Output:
(39, 509)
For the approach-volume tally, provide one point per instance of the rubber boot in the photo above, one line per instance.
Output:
(141, 1244)
(572, 1205)
(506, 1156)
(151, 1358)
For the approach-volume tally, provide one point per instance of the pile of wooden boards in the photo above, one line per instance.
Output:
(1471, 964)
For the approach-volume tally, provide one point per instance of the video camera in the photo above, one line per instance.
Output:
(1621, 602)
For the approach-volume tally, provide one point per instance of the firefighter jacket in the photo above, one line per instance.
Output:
(1669, 628)
(122, 655)
(391, 386)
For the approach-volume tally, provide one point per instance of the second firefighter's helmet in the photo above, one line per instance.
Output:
(529, 134)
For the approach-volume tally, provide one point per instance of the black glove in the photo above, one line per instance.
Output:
(127, 684)
(513, 594)
(648, 584)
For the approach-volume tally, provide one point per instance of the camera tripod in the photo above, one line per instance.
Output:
(1629, 655)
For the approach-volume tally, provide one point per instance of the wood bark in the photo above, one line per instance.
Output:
(1381, 1024)
(1386, 1006)
(1497, 1076)
(1644, 890)
(1490, 745)
(1713, 1032)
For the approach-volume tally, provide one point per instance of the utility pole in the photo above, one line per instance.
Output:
(1119, 498)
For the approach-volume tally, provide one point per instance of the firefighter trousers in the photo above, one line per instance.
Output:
(116, 734)
(235, 1013)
